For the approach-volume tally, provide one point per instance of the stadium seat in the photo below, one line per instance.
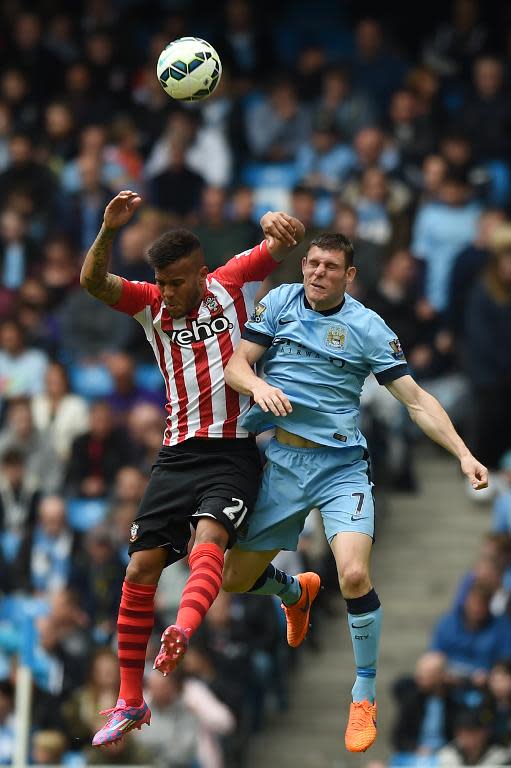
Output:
(500, 183)
(90, 381)
(84, 514)
(149, 377)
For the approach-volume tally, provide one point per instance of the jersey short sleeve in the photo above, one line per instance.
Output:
(383, 352)
(261, 328)
(253, 265)
(136, 296)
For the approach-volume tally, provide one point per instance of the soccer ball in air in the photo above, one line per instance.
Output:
(189, 69)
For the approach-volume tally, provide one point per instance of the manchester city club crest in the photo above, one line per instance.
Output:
(336, 337)
(134, 532)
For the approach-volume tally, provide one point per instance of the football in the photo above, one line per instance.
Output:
(189, 69)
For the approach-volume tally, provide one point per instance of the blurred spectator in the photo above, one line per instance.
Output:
(432, 176)
(372, 149)
(244, 44)
(28, 177)
(493, 561)
(100, 690)
(471, 638)
(43, 563)
(129, 486)
(5, 131)
(97, 455)
(124, 150)
(7, 732)
(457, 150)
(502, 505)
(59, 138)
(19, 496)
(487, 113)
(126, 393)
(469, 264)
(377, 71)
(173, 737)
(426, 707)
(413, 133)
(348, 110)
(381, 205)
(30, 54)
(286, 124)
(48, 747)
(16, 92)
(58, 413)
(207, 152)
(97, 575)
(221, 238)
(22, 369)
(442, 228)
(487, 361)
(471, 744)
(21, 434)
(107, 66)
(145, 426)
(59, 270)
(83, 211)
(303, 206)
(17, 250)
(87, 106)
(129, 260)
(456, 43)
(369, 256)
(177, 189)
(322, 163)
(93, 145)
(499, 686)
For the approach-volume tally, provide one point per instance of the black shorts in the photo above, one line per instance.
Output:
(216, 478)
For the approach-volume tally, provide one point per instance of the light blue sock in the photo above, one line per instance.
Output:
(275, 582)
(365, 631)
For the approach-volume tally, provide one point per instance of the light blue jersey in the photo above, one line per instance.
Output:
(321, 360)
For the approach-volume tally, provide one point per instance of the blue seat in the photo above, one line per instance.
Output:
(90, 381)
(500, 183)
(84, 514)
(149, 377)
(279, 175)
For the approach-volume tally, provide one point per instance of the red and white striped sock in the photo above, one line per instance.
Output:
(134, 626)
(203, 585)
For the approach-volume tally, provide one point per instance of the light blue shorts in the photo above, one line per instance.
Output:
(335, 480)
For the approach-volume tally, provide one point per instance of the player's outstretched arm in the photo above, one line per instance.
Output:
(95, 277)
(282, 232)
(431, 418)
(239, 374)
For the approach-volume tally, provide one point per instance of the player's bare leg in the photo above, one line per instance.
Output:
(246, 571)
(352, 552)
(134, 626)
(206, 564)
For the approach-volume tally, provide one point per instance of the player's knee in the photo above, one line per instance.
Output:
(211, 532)
(353, 577)
(145, 567)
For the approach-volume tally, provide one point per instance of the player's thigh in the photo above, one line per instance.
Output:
(352, 553)
(227, 485)
(243, 568)
(348, 508)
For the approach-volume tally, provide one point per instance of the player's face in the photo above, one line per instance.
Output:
(325, 277)
(182, 285)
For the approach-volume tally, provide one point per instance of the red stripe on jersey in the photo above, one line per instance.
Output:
(229, 428)
(204, 382)
(232, 400)
(168, 406)
(182, 394)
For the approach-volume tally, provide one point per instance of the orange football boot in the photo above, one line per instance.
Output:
(361, 728)
(297, 615)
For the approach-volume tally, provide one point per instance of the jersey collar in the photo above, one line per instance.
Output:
(325, 312)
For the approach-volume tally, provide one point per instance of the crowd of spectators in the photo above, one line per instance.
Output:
(407, 150)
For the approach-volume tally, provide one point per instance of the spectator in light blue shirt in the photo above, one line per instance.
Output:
(441, 230)
(322, 163)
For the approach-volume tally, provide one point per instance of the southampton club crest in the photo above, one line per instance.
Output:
(212, 304)
(336, 337)
(134, 532)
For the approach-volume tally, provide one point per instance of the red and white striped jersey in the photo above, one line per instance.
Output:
(192, 351)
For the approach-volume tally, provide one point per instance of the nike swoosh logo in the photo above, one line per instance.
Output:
(284, 322)
(305, 608)
(355, 519)
(361, 626)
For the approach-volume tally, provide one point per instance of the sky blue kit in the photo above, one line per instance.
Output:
(320, 360)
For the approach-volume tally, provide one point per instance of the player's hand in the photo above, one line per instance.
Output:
(121, 209)
(475, 471)
(282, 227)
(271, 399)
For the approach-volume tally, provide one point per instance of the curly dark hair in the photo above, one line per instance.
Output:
(172, 246)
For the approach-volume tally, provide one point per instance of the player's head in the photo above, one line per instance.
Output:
(327, 270)
(179, 270)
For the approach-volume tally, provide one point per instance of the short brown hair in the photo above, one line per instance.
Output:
(334, 241)
(172, 246)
